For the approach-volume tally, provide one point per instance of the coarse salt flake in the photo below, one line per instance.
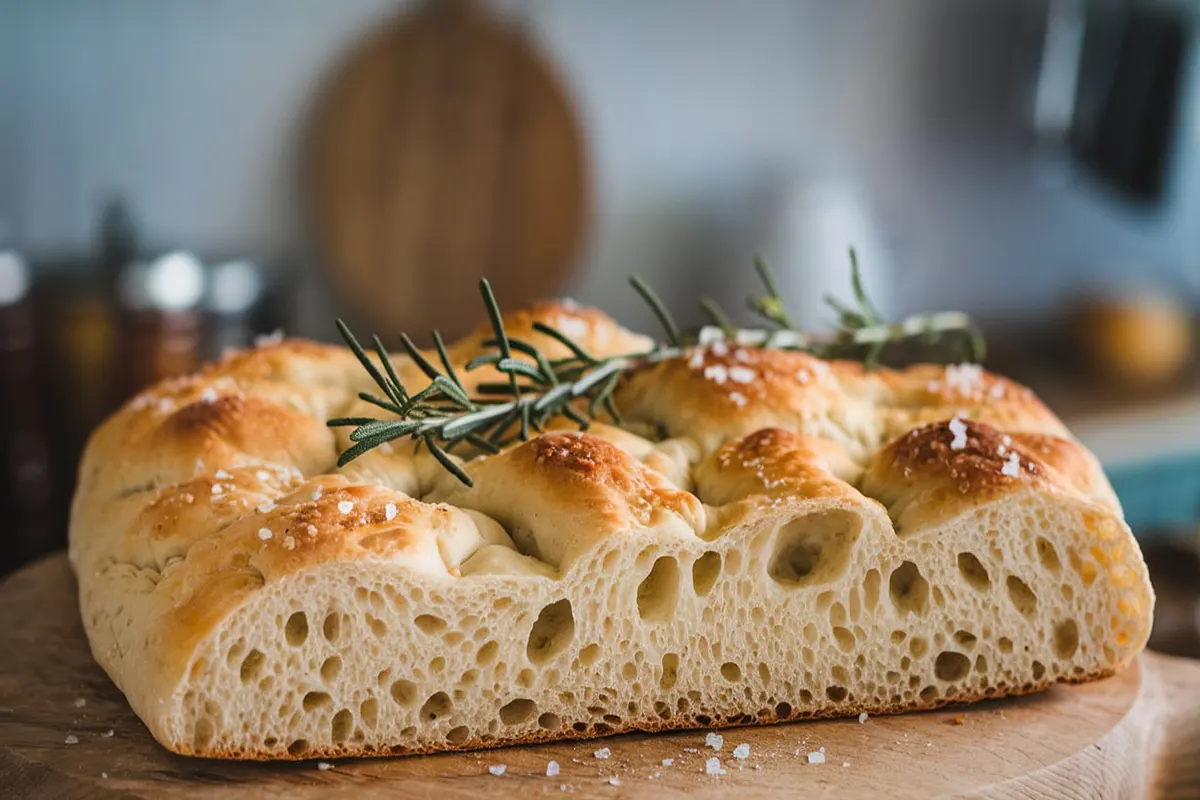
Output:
(712, 766)
(742, 751)
(265, 533)
(289, 543)
(551, 769)
(717, 373)
(738, 398)
(222, 475)
(614, 781)
(217, 488)
(209, 395)
(316, 495)
(862, 717)
(497, 769)
(71, 739)
(1012, 467)
(573, 326)
(696, 359)
(108, 734)
(263, 508)
(80, 702)
(739, 374)
(389, 512)
(345, 506)
(603, 752)
(963, 378)
(311, 530)
(959, 429)
(817, 757)
(666, 762)
(714, 740)
(263, 475)
(324, 766)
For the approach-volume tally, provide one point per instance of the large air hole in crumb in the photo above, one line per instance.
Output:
(551, 632)
(731, 671)
(814, 548)
(670, 670)
(871, 583)
(1021, 595)
(438, 705)
(430, 624)
(1039, 670)
(330, 668)
(973, 571)
(918, 646)
(908, 589)
(487, 653)
(296, 629)
(589, 655)
(332, 626)
(458, 735)
(705, 571)
(404, 692)
(951, 666)
(657, 593)
(1048, 555)
(845, 639)
(298, 747)
(965, 638)
(1066, 638)
(315, 700)
(341, 726)
(252, 665)
(835, 693)
(1005, 644)
(929, 694)
(368, 711)
(550, 722)
(517, 711)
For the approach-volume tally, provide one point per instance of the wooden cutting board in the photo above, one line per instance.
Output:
(444, 149)
(1134, 735)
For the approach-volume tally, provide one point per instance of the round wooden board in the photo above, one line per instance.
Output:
(445, 149)
(1134, 735)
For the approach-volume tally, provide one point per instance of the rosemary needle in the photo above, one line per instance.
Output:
(444, 415)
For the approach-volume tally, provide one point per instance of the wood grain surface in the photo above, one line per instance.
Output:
(1134, 735)
(444, 149)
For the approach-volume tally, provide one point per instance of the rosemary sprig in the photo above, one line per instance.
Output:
(444, 415)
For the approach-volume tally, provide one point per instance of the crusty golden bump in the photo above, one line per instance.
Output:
(767, 536)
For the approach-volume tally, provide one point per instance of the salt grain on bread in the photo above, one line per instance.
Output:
(818, 546)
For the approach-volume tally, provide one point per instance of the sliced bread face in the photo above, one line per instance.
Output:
(791, 539)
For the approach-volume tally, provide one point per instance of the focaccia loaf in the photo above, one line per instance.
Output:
(767, 537)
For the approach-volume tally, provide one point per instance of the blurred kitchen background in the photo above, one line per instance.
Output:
(178, 177)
